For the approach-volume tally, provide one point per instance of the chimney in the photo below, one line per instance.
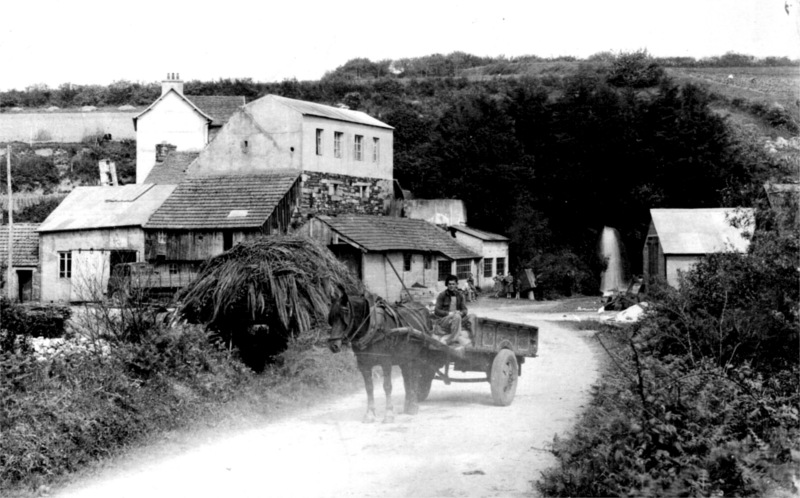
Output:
(173, 81)
(162, 151)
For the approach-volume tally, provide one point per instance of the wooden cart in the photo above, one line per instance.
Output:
(498, 349)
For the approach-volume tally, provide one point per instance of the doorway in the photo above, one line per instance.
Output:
(24, 285)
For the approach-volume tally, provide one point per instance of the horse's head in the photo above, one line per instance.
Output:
(347, 316)
(340, 320)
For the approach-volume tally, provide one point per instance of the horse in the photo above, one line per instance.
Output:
(368, 328)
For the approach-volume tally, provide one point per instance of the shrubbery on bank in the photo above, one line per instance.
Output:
(101, 388)
(701, 397)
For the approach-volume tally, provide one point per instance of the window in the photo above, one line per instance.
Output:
(444, 269)
(427, 261)
(488, 263)
(376, 150)
(358, 148)
(337, 144)
(173, 268)
(319, 141)
(162, 237)
(501, 266)
(463, 267)
(406, 261)
(65, 265)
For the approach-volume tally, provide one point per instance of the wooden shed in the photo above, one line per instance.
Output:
(678, 238)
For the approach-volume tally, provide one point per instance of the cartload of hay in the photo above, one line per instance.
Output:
(263, 290)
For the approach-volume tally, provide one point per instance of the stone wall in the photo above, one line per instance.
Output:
(331, 194)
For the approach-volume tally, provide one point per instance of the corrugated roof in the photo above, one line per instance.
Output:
(702, 231)
(386, 233)
(26, 244)
(224, 201)
(326, 111)
(87, 208)
(480, 234)
(220, 108)
(173, 169)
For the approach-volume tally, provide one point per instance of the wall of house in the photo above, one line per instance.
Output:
(188, 245)
(492, 250)
(171, 120)
(437, 211)
(36, 283)
(328, 193)
(677, 264)
(90, 251)
(241, 146)
(347, 163)
(380, 278)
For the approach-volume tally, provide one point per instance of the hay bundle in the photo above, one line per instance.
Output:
(289, 276)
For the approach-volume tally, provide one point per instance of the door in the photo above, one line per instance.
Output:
(24, 285)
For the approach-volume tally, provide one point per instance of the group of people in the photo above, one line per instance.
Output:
(507, 286)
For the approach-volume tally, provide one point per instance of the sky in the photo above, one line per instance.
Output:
(91, 42)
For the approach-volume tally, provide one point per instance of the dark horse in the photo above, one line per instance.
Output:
(369, 329)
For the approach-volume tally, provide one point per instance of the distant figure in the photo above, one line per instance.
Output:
(508, 280)
(498, 286)
(730, 78)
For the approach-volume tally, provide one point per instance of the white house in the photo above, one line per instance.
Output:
(93, 229)
(186, 122)
(390, 253)
(492, 247)
(678, 238)
(345, 157)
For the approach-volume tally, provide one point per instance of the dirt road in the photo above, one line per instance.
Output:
(459, 445)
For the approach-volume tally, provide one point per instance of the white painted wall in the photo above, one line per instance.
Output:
(380, 279)
(347, 164)
(90, 261)
(171, 120)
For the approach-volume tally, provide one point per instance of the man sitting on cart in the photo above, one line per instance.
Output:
(450, 313)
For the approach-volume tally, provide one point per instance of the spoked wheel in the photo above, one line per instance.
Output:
(425, 380)
(503, 379)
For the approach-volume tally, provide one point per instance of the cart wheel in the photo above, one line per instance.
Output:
(504, 376)
(425, 380)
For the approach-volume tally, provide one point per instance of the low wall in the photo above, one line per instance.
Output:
(65, 126)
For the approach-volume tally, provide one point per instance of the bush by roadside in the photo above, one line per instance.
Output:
(700, 397)
(62, 412)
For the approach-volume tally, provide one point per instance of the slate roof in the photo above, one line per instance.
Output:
(479, 234)
(386, 233)
(219, 108)
(26, 244)
(701, 231)
(172, 170)
(223, 201)
(326, 111)
(87, 208)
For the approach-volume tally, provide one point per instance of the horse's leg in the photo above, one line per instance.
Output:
(410, 381)
(387, 389)
(366, 372)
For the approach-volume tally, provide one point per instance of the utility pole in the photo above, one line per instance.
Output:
(9, 261)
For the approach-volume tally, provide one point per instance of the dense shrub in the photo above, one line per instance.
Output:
(80, 403)
(40, 321)
(702, 397)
